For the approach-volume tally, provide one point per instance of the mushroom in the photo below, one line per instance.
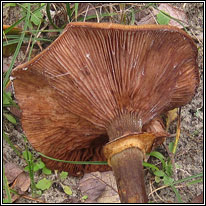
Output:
(95, 92)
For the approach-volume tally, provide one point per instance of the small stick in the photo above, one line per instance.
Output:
(34, 199)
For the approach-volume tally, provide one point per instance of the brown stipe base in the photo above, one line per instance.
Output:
(128, 171)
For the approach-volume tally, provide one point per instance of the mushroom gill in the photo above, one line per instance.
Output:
(99, 85)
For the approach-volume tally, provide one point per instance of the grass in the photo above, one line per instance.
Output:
(33, 22)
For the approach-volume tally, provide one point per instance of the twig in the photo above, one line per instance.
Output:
(86, 13)
(27, 49)
(34, 199)
(152, 192)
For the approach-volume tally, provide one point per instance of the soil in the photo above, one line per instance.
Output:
(189, 156)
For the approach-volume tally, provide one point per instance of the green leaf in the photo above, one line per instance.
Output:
(27, 155)
(67, 189)
(46, 171)
(159, 156)
(168, 180)
(63, 175)
(36, 168)
(10, 118)
(6, 98)
(149, 165)
(40, 164)
(44, 184)
(38, 192)
(26, 169)
(162, 18)
(169, 169)
(84, 197)
(159, 173)
(157, 179)
(36, 17)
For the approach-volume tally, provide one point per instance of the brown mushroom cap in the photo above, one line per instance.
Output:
(99, 79)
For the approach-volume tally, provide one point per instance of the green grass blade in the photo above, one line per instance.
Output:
(177, 194)
(76, 5)
(188, 178)
(15, 41)
(6, 186)
(132, 17)
(148, 165)
(14, 25)
(159, 156)
(47, 30)
(69, 12)
(75, 162)
(195, 181)
(34, 40)
(17, 49)
(49, 16)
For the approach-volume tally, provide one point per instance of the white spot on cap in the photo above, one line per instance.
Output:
(25, 68)
(88, 55)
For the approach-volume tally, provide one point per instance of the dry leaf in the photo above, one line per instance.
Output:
(21, 180)
(173, 12)
(171, 116)
(22, 183)
(100, 187)
(91, 186)
(149, 19)
(144, 17)
(110, 194)
(12, 171)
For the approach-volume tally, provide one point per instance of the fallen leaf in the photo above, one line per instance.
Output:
(91, 186)
(110, 193)
(173, 12)
(171, 116)
(144, 17)
(12, 171)
(22, 183)
(100, 187)
(149, 19)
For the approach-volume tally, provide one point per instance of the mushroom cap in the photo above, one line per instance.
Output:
(94, 75)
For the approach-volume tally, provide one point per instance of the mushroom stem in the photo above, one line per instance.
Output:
(125, 155)
(129, 174)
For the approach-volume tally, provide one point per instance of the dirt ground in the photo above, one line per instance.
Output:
(189, 154)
